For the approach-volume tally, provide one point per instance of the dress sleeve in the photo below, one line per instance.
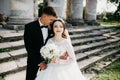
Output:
(70, 51)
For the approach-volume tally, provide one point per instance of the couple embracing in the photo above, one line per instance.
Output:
(48, 29)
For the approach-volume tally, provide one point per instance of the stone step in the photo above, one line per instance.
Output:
(15, 54)
(88, 40)
(16, 26)
(105, 30)
(82, 48)
(79, 36)
(102, 31)
(19, 35)
(11, 45)
(16, 76)
(4, 31)
(21, 74)
(103, 64)
(118, 35)
(21, 62)
(13, 66)
(111, 34)
(94, 70)
(17, 65)
(78, 31)
(92, 34)
(22, 52)
(81, 56)
(90, 61)
(114, 33)
(83, 29)
(11, 36)
(93, 39)
(108, 34)
(89, 29)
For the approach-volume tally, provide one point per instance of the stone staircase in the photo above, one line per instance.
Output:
(92, 45)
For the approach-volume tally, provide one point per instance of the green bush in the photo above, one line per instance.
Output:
(110, 16)
(40, 6)
(107, 17)
(104, 19)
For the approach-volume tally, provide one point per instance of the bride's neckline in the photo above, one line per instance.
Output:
(60, 40)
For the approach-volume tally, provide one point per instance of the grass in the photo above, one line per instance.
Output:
(112, 72)
(5, 50)
(2, 76)
(112, 23)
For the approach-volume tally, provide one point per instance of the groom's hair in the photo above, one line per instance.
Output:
(49, 11)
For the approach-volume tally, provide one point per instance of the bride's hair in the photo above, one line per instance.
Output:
(63, 23)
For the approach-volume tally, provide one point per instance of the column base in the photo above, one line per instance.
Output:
(68, 25)
(14, 27)
(76, 22)
(92, 23)
(17, 23)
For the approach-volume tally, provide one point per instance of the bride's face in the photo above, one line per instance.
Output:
(58, 28)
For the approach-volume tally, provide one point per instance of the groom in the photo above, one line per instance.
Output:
(35, 36)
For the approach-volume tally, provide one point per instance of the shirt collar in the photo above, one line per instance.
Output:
(41, 24)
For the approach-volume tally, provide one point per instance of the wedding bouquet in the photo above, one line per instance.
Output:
(50, 52)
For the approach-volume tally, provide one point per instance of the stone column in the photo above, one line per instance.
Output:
(68, 11)
(21, 12)
(77, 12)
(91, 11)
(35, 9)
(60, 7)
(4, 7)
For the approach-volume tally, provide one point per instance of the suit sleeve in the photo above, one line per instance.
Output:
(27, 39)
(29, 45)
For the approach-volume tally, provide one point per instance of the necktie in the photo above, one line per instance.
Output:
(44, 26)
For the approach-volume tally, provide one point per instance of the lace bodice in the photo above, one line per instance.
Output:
(64, 45)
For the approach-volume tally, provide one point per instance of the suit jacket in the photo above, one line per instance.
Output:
(33, 40)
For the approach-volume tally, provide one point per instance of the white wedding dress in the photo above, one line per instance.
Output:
(64, 69)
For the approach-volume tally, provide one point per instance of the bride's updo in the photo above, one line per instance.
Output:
(63, 23)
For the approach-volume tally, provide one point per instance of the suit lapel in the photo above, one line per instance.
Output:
(39, 30)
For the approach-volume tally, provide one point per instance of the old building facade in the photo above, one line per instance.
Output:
(24, 11)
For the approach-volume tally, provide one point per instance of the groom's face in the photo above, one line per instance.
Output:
(48, 19)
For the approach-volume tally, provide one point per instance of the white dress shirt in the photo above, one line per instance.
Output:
(44, 31)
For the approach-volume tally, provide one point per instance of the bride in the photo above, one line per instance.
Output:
(66, 68)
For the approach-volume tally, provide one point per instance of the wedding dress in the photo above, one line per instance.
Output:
(64, 69)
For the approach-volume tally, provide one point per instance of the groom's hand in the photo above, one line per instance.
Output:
(43, 65)
(65, 56)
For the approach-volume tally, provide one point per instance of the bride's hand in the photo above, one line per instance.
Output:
(65, 56)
